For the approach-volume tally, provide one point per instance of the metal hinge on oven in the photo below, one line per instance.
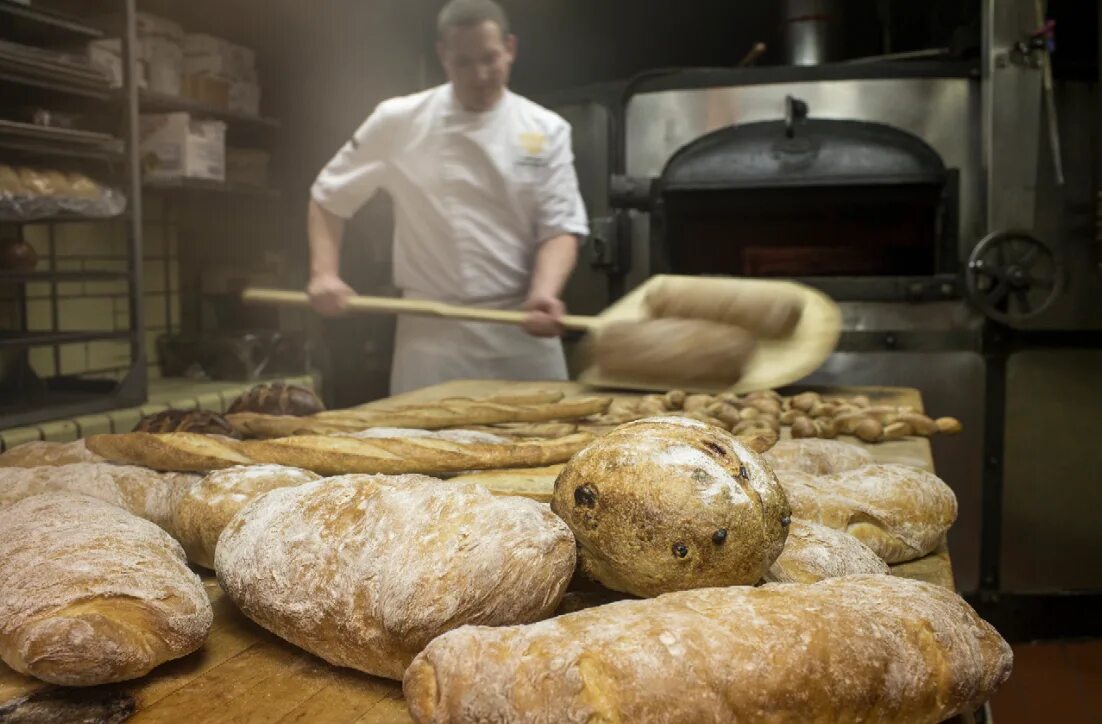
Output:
(610, 243)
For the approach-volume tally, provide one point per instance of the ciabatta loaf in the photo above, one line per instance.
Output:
(816, 457)
(364, 571)
(90, 594)
(669, 503)
(812, 552)
(143, 492)
(209, 504)
(901, 513)
(859, 648)
(33, 454)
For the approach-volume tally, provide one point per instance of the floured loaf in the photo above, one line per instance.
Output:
(364, 571)
(859, 648)
(90, 594)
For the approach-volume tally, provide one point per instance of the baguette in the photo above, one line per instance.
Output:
(812, 552)
(36, 453)
(546, 430)
(434, 416)
(364, 571)
(396, 456)
(516, 397)
(173, 451)
(143, 492)
(817, 457)
(208, 505)
(858, 648)
(901, 513)
(333, 455)
(90, 594)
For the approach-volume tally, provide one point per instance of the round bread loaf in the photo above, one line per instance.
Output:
(669, 503)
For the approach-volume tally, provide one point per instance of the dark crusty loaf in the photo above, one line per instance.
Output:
(668, 503)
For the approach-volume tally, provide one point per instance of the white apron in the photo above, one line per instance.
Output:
(428, 351)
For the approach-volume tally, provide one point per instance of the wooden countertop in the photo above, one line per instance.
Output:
(244, 674)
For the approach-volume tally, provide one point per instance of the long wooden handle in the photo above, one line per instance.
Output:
(417, 307)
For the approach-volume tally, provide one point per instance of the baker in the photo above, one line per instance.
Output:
(487, 210)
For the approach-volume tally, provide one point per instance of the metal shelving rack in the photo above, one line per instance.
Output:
(31, 399)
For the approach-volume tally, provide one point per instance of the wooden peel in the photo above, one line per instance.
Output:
(416, 307)
(628, 348)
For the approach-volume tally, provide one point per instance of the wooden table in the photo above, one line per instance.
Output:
(244, 674)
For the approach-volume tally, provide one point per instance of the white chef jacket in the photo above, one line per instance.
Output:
(475, 194)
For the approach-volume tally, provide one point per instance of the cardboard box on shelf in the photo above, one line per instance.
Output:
(164, 62)
(174, 146)
(216, 56)
(209, 89)
(244, 97)
(150, 25)
(248, 166)
(106, 55)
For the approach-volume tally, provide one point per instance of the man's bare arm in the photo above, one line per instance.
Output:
(555, 262)
(328, 292)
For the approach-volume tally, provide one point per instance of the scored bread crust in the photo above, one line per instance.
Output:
(364, 571)
(859, 648)
(90, 594)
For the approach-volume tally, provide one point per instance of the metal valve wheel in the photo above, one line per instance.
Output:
(1013, 276)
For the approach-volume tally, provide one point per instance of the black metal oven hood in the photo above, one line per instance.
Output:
(814, 152)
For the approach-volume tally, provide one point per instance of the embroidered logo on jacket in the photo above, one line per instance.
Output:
(534, 144)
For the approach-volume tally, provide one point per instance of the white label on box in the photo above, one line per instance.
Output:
(175, 146)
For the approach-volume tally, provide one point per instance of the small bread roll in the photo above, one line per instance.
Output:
(691, 351)
(211, 503)
(814, 552)
(666, 504)
(768, 316)
(90, 594)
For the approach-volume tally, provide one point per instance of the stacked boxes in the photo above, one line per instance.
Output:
(221, 73)
(162, 53)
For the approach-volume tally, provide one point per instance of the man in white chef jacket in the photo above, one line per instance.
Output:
(487, 210)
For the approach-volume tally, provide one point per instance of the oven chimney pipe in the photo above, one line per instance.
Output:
(812, 31)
